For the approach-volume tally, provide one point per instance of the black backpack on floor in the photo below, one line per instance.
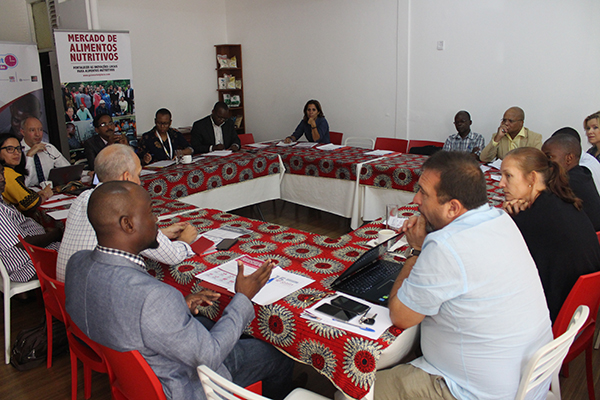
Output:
(31, 346)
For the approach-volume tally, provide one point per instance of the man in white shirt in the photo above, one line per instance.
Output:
(118, 162)
(41, 156)
(472, 285)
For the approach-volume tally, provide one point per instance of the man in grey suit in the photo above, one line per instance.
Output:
(113, 300)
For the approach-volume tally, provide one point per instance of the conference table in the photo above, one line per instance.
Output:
(347, 359)
(334, 180)
(227, 183)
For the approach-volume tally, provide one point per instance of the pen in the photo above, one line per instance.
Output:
(364, 328)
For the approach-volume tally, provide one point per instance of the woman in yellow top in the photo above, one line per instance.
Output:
(16, 193)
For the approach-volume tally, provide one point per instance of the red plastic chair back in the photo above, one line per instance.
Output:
(246, 138)
(131, 377)
(586, 291)
(422, 143)
(393, 144)
(335, 137)
(44, 261)
(80, 346)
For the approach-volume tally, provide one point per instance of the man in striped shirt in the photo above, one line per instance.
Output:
(14, 224)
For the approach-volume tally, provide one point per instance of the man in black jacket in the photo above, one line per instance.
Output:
(565, 150)
(215, 132)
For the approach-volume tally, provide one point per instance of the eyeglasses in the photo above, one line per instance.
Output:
(102, 125)
(11, 149)
(509, 121)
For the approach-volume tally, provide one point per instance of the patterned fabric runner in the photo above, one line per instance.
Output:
(183, 180)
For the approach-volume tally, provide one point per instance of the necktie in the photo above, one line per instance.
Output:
(38, 169)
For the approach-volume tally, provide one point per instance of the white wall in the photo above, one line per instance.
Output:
(340, 52)
(353, 56)
(540, 55)
(14, 21)
(373, 65)
(173, 54)
(72, 14)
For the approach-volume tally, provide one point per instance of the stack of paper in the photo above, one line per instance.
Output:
(258, 145)
(280, 284)
(496, 164)
(379, 152)
(382, 318)
(307, 144)
(219, 153)
(55, 204)
(162, 164)
(330, 146)
(284, 144)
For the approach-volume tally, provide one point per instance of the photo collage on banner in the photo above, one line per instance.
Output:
(95, 71)
(21, 94)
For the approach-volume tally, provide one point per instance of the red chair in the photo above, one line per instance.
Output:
(335, 137)
(393, 144)
(81, 347)
(422, 143)
(246, 138)
(130, 376)
(44, 261)
(584, 292)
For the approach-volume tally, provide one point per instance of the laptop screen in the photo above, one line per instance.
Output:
(367, 258)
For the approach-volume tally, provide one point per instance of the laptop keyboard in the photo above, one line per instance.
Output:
(365, 281)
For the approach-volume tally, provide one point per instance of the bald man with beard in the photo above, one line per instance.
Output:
(511, 134)
(111, 297)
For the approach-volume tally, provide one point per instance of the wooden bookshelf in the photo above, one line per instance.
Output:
(232, 50)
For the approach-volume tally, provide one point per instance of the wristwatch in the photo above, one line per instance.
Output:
(411, 252)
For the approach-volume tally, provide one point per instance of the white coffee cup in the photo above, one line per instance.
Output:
(46, 183)
(384, 235)
(187, 159)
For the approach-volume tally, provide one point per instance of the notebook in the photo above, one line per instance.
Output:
(369, 277)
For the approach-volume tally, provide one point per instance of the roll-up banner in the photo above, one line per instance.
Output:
(21, 93)
(95, 72)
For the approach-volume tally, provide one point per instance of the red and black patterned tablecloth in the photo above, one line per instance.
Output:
(339, 164)
(397, 171)
(208, 173)
(347, 359)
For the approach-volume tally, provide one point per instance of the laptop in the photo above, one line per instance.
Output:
(60, 176)
(370, 278)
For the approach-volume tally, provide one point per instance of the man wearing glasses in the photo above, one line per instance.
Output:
(105, 129)
(41, 156)
(511, 135)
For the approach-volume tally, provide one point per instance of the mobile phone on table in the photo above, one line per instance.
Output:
(226, 244)
(349, 305)
(336, 312)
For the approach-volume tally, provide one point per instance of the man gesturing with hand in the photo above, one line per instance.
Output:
(115, 302)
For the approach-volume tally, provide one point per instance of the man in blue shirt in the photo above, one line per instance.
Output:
(472, 285)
